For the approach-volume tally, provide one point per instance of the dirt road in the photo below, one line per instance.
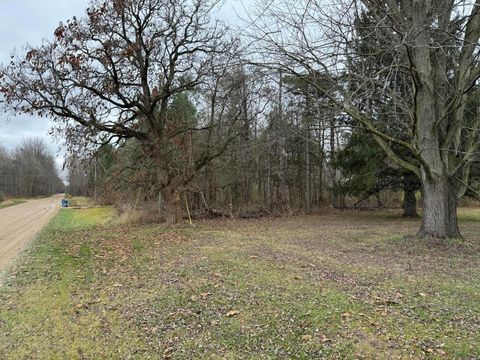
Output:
(20, 223)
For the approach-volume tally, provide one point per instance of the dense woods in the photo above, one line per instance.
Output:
(357, 104)
(29, 170)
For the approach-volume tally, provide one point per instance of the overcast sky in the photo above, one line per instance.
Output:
(28, 22)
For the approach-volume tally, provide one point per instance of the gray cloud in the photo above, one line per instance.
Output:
(29, 22)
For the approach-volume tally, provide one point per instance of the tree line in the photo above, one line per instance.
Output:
(306, 105)
(29, 170)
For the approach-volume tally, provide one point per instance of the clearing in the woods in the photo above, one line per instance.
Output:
(343, 285)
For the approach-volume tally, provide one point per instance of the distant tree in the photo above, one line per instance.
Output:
(5, 172)
(29, 170)
(367, 171)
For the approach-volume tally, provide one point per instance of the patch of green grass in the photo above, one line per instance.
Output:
(11, 202)
(469, 214)
(306, 287)
(79, 201)
(51, 318)
(77, 219)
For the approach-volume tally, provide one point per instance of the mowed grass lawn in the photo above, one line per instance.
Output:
(344, 285)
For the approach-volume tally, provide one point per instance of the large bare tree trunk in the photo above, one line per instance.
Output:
(439, 193)
(409, 197)
(439, 208)
(173, 206)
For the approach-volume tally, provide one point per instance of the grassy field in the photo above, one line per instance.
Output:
(79, 201)
(346, 285)
(11, 202)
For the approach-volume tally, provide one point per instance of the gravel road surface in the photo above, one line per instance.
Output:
(20, 223)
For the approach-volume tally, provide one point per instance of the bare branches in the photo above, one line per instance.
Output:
(28, 170)
(116, 69)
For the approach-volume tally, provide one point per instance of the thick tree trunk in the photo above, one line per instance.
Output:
(439, 209)
(409, 203)
(409, 198)
(173, 206)
(431, 84)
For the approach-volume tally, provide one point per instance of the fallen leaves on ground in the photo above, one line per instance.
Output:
(232, 313)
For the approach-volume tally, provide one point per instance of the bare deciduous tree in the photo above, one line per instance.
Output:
(112, 75)
(29, 170)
